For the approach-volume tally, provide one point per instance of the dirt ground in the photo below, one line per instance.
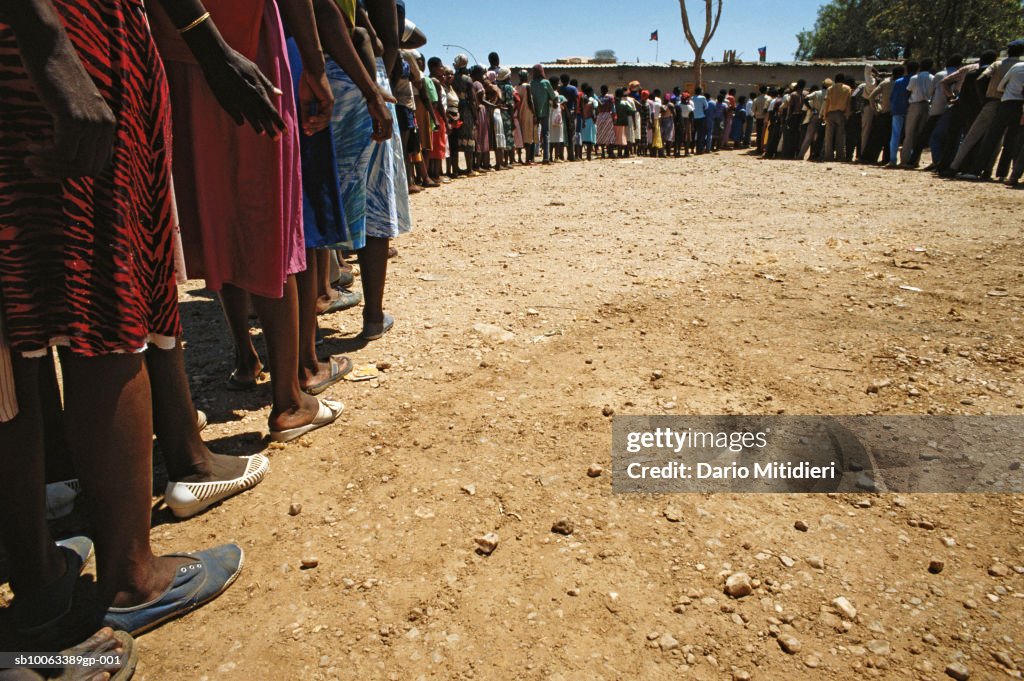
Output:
(756, 288)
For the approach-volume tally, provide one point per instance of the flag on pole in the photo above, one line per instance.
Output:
(654, 36)
(762, 53)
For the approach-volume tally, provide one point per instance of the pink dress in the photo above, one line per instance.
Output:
(239, 194)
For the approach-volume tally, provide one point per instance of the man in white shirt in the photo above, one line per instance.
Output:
(867, 116)
(1007, 124)
(761, 115)
(1013, 87)
(920, 90)
(812, 121)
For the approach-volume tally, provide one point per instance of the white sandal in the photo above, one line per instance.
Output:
(328, 413)
(186, 499)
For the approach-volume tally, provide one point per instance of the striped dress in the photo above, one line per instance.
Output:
(89, 262)
(606, 121)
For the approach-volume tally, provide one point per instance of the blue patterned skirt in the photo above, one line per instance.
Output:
(374, 187)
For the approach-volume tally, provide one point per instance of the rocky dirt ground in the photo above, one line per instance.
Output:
(531, 304)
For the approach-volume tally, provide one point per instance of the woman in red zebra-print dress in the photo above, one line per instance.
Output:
(87, 265)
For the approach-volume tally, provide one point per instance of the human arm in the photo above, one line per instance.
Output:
(316, 101)
(951, 83)
(238, 85)
(412, 37)
(383, 16)
(336, 37)
(84, 126)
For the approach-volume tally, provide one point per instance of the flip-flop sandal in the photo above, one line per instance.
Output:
(129, 659)
(327, 414)
(239, 385)
(344, 301)
(376, 330)
(339, 369)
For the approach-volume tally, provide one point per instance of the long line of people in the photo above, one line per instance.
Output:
(248, 145)
(963, 114)
(967, 116)
(241, 142)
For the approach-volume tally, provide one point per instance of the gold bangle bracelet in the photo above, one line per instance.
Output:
(195, 23)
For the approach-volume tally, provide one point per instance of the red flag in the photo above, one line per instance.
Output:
(654, 36)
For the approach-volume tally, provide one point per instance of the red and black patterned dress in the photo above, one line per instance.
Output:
(89, 263)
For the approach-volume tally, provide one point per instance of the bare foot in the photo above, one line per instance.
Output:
(302, 414)
(150, 586)
(309, 377)
(216, 468)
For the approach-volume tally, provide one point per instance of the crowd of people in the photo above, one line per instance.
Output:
(475, 120)
(967, 115)
(261, 146)
(254, 145)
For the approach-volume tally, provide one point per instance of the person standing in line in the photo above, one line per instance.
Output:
(939, 112)
(965, 89)
(761, 116)
(700, 120)
(748, 111)
(793, 119)
(881, 129)
(812, 122)
(527, 117)
(899, 103)
(868, 111)
(572, 98)
(835, 110)
(544, 99)
(919, 91)
(983, 122)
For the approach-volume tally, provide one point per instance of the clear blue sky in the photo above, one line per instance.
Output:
(527, 31)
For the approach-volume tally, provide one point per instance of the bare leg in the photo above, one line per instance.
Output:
(109, 420)
(58, 453)
(235, 303)
(174, 423)
(311, 369)
(35, 559)
(280, 317)
(373, 263)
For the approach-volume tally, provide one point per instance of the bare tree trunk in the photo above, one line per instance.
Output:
(711, 19)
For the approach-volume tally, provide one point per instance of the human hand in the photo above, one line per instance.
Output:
(383, 122)
(243, 91)
(84, 130)
(316, 102)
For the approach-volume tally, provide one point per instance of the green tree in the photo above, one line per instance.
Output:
(910, 28)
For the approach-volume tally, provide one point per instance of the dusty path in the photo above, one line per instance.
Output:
(755, 288)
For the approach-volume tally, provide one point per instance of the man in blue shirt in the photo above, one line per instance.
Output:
(572, 96)
(700, 119)
(899, 100)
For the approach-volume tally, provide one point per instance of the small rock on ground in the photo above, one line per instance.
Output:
(738, 585)
(958, 671)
